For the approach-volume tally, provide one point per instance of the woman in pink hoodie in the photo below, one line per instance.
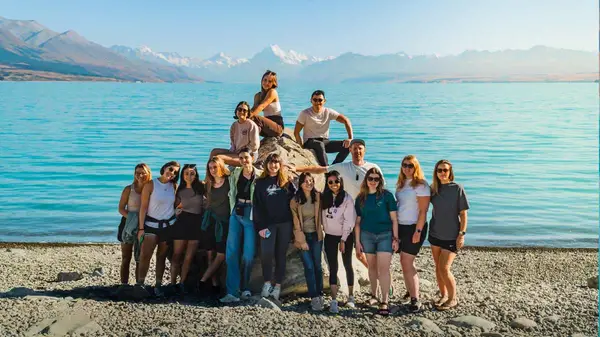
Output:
(339, 217)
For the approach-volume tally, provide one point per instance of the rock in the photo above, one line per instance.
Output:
(20, 292)
(60, 327)
(98, 272)
(473, 321)
(268, 304)
(592, 282)
(523, 323)
(90, 328)
(491, 334)
(425, 325)
(68, 276)
(36, 329)
(553, 318)
(454, 333)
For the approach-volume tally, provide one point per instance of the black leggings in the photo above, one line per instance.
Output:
(275, 246)
(331, 252)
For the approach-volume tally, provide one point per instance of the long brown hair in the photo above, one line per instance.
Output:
(418, 177)
(209, 180)
(435, 185)
(364, 188)
(282, 177)
(263, 92)
(148, 173)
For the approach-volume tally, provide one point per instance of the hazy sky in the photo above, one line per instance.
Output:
(321, 28)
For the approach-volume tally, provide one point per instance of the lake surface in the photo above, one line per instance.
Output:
(527, 154)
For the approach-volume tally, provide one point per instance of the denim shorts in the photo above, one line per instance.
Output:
(376, 243)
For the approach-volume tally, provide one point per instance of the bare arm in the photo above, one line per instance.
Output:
(311, 169)
(297, 130)
(346, 121)
(270, 98)
(357, 243)
(123, 201)
(463, 220)
(394, 218)
(423, 207)
(146, 191)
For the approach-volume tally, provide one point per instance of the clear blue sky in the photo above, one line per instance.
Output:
(321, 28)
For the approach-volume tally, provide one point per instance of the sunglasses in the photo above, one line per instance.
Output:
(443, 170)
(141, 174)
(333, 182)
(409, 165)
(374, 179)
(173, 170)
(317, 100)
(190, 173)
(240, 109)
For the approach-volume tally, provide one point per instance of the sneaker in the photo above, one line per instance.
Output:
(246, 294)
(406, 297)
(322, 302)
(275, 292)
(266, 290)
(158, 291)
(315, 304)
(229, 299)
(350, 303)
(414, 305)
(333, 307)
(181, 288)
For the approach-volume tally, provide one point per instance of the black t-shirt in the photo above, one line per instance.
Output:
(243, 186)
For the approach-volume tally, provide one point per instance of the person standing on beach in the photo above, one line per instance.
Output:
(190, 200)
(242, 183)
(157, 215)
(448, 226)
(376, 233)
(315, 123)
(267, 100)
(412, 195)
(308, 236)
(129, 208)
(215, 223)
(273, 221)
(244, 133)
(339, 218)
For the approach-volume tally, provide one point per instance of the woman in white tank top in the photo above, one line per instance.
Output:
(129, 207)
(157, 215)
(267, 100)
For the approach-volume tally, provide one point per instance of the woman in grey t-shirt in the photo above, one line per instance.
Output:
(447, 229)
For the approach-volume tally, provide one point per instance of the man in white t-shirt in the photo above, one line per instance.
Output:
(352, 172)
(315, 122)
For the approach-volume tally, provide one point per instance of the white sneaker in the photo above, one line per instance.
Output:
(275, 292)
(266, 290)
(315, 304)
(246, 294)
(229, 299)
(322, 302)
(333, 307)
(350, 303)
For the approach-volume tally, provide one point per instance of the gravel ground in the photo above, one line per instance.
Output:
(502, 292)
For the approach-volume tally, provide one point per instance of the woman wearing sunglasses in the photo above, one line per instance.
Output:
(412, 194)
(273, 221)
(376, 233)
(448, 227)
(339, 218)
(157, 215)
(244, 133)
(186, 232)
(267, 100)
(129, 208)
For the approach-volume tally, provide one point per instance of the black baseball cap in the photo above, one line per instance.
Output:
(358, 141)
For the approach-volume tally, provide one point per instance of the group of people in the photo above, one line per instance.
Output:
(238, 206)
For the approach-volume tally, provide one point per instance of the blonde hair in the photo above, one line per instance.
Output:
(364, 188)
(148, 173)
(209, 180)
(435, 185)
(282, 177)
(418, 177)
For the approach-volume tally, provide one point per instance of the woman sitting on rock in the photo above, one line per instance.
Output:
(215, 224)
(129, 208)
(157, 216)
(241, 229)
(308, 236)
(448, 227)
(339, 218)
(376, 233)
(412, 194)
(273, 221)
(267, 100)
(190, 201)
(243, 133)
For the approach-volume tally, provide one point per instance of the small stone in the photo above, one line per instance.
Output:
(473, 321)
(20, 292)
(523, 323)
(98, 272)
(553, 318)
(578, 335)
(268, 304)
(425, 325)
(425, 283)
(68, 276)
(88, 329)
(454, 333)
(491, 334)
(592, 282)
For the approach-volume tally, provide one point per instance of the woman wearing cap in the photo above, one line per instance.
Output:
(267, 100)
(447, 230)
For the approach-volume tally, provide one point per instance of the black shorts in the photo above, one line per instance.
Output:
(187, 227)
(405, 235)
(121, 227)
(163, 234)
(444, 244)
(208, 240)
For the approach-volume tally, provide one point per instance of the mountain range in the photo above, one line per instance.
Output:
(27, 46)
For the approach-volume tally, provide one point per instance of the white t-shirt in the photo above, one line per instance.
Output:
(316, 125)
(408, 206)
(353, 175)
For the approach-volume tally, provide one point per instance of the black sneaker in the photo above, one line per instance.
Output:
(414, 305)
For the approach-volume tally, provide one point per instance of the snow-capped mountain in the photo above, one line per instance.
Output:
(223, 60)
(172, 58)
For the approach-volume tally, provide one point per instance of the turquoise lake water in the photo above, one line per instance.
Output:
(527, 154)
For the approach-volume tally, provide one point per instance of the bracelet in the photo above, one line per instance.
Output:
(140, 229)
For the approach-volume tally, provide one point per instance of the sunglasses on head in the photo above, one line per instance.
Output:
(445, 170)
(333, 182)
(374, 179)
(408, 165)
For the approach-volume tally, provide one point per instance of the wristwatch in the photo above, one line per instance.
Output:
(419, 230)
(462, 233)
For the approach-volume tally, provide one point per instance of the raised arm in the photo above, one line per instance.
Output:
(123, 201)
(299, 126)
(260, 106)
(346, 121)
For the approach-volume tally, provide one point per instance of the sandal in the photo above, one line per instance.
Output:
(440, 301)
(384, 310)
(373, 300)
(449, 304)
